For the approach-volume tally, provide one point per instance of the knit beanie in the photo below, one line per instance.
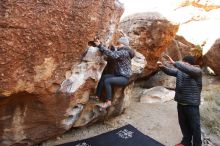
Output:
(124, 41)
(189, 59)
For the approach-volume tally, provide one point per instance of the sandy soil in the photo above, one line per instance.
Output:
(158, 121)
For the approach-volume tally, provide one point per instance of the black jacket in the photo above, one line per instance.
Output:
(122, 58)
(188, 83)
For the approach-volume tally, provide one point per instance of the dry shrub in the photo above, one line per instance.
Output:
(210, 111)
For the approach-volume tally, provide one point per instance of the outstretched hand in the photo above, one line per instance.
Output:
(169, 59)
(160, 64)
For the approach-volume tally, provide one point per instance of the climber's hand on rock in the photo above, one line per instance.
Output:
(97, 42)
(169, 59)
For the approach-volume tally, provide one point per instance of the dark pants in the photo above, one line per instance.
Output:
(189, 120)
(107, 81)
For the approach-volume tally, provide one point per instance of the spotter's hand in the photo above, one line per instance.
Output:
(169, 59)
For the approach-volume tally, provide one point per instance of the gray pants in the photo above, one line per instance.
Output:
(107, 81)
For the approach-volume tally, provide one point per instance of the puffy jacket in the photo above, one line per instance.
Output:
(122, 58)
(188, 82)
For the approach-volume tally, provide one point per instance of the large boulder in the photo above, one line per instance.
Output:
(180, 47)
(150, 34)
(212, 57)
(159, 79)
(47, 38)
(43, 48)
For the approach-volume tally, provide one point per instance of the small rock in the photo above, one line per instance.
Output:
(58, 138)
(157, 94)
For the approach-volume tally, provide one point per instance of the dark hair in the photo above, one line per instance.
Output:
(131, 53)
(189, 59)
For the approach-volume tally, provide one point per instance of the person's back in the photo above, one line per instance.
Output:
(123, 64)
(188, 95)
(188, 84)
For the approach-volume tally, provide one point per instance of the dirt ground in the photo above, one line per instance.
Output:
(158, 120)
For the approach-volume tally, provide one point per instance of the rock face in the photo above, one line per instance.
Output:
(47, 38)
(79, 85)
(150, 34)
(42, 45)
(86, 75)
(179, 48)
(160, 79)
(157, 94)
(212, 56)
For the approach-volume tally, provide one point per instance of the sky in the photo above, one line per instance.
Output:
(134, 6)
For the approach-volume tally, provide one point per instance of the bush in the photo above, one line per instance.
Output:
(210, 111)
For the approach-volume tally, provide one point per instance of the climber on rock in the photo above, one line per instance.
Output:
(122, 57)
(188, 94)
